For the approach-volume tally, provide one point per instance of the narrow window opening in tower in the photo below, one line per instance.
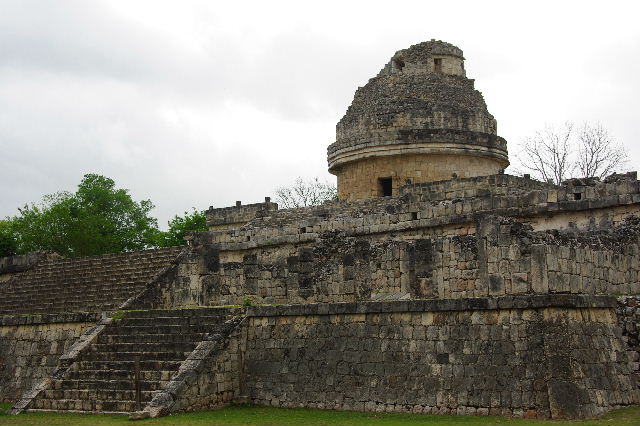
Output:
(399, 64)
(437, 64)
(384, 187)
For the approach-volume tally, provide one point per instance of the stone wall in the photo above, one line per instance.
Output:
(337, 268)
(502, 256)
(516, 260)
(481, 187)
(628, 312)
(546, 356)
(426, 209)
(360, 179)
(30, 346)
(235, 216)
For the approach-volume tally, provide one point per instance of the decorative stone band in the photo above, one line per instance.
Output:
(438, 305)
(409, 141)
(66, 360)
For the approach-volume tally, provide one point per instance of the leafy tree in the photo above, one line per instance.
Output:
(98, 218)
(306, 193)
(560, 152)
(191, 221)
(8, 242)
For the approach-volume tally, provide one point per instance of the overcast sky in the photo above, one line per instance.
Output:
(199, 103)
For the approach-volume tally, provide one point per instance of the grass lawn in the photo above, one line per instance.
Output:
(268, 416)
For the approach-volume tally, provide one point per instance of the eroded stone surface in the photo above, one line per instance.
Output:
(419, 120)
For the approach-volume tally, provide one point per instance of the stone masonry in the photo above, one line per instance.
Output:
(506, 356)
(30, 347)
(435, 284)
(419, 120)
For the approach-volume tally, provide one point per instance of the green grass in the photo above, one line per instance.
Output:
(248, 415)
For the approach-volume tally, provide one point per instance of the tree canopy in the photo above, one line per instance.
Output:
(98, 218)
(8, 241)
(179, 225)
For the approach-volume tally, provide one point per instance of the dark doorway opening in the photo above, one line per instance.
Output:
(437, 64)
(399, 64)
(384, 187)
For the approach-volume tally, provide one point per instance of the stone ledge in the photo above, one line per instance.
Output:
(394, 214)
(438, 305)
(9, 320)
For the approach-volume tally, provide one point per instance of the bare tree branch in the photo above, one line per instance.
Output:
(305, 193)
(560, 152)
(599, 155)
(547, 153)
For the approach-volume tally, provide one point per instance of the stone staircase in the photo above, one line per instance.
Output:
(103, 377)
(94, 283)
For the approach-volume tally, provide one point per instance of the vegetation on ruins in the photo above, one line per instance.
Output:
(98, 218)
(305, 193)
(561, 152)
(195, 220)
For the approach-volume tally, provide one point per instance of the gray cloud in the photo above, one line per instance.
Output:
(225, 102)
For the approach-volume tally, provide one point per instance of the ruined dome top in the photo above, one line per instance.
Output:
(420, 100)
(421, 52)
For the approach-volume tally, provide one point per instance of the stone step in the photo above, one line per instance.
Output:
(127, 365)
(120, 413)
(130, 356)
(84, 406)
(103, 298)
(187, 312)
(93, 395)
(89, 384)
(143, 347)
(160, 329)
(167, 320)
(102, 379)
(110, 374)
(150, 338)
(54, 290)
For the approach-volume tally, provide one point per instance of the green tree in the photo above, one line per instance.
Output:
(98, 218)
(191, 221)
(8, 242)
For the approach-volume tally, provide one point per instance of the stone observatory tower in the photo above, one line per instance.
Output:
(419, 120)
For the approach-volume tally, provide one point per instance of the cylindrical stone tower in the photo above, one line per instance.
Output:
(419, 120)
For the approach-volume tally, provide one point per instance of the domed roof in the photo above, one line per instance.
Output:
(422, 52)
(421, 100)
